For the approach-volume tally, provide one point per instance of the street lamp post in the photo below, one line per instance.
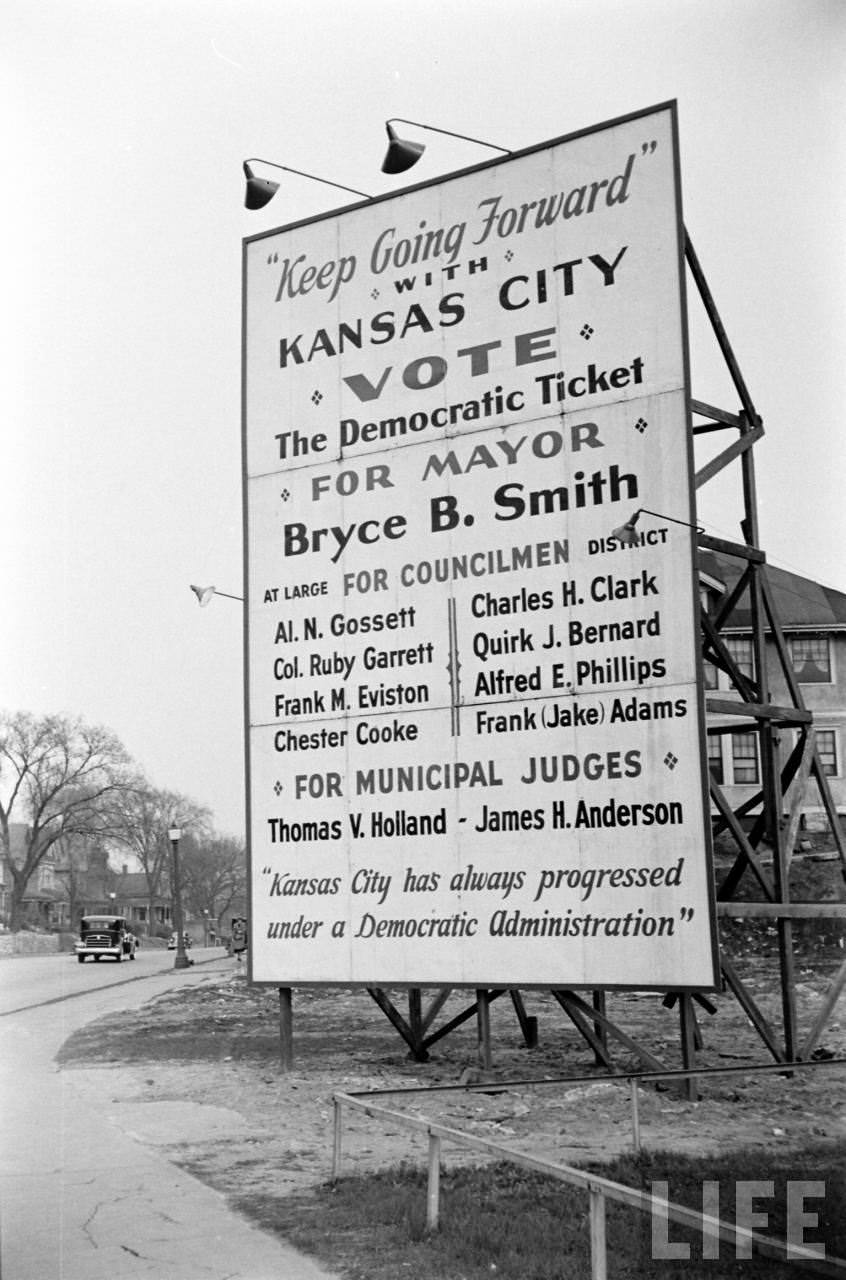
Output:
(205, 927)
(181, 961)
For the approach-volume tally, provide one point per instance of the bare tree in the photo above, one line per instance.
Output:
(213, 874)
(58, 777)
(146, 815)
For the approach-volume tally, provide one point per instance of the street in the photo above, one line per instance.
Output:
(30, 980)
(80, 1198)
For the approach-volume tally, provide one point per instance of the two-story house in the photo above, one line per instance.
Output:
(813, 622)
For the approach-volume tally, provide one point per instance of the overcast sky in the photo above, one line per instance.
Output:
(125, 123)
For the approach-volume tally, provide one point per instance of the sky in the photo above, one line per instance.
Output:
(125, 124)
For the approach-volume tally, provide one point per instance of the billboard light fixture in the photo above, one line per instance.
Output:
(204, 595)
(626, 534)
(402, 154)
(261, 190)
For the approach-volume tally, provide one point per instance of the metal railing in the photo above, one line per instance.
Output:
(599, 1189)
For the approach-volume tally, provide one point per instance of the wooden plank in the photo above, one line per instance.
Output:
(799, 784)
(594, 1014)
(528, 1026)
(824, 1012)
(731, 601)
(457, 1021)
(393, 1015)
(286, 1029)
(690, 1038)
(719, 330)
(748, 856)
(435, 1007)
(750, 1008)
(729, 455)
(599, 1002)
(741, 550)
(596, 1041)
(782, 910)
(709, 411)
(758, 710)
(483, 1025)
(830, 809)
(746, 686)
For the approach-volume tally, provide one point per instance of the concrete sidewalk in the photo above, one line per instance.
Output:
(81, 1200)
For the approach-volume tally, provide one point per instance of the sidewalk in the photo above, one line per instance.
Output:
(81, 1200)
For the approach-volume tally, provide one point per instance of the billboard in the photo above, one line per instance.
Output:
(474, 718)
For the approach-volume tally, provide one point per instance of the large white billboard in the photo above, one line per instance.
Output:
(474, 719)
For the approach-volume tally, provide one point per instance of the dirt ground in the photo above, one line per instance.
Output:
(197, 1074)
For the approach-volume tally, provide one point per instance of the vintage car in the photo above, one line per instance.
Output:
(105, 936)
(173, 939)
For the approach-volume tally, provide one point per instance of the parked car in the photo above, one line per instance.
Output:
(104, 936)
(171, 942)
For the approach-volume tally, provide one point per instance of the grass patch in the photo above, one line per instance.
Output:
(517, 1225)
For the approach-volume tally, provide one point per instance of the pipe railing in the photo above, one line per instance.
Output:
(600, 1190)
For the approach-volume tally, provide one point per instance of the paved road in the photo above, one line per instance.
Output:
(80, 1199)
(29, 980)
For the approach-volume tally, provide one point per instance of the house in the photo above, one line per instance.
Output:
(813, 622)
(132, 899)
(75, 879)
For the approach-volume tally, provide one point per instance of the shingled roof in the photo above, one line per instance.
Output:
(801, 603)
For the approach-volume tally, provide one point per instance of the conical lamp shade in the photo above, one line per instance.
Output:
(259, 190)
(400, 155)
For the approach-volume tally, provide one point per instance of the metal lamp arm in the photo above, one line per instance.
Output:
(448, 132)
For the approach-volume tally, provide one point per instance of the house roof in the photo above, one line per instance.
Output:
(800, 603)
(133, 884)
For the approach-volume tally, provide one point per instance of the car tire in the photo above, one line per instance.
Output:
(81, 959)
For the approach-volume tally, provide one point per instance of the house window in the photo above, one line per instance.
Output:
(811, 659)
(740, 649)
(709, 675)
(715, 757)
(827, 751)
(744, 756)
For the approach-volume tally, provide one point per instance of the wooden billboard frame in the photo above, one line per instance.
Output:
(770, 826)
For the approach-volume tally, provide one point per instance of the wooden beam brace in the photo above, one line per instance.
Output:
(722, 416)
(824, 1012)
(745, 685)
(586, 1031)
(528, 1026)
(750, 1008)
(805, 750)
(729, 605)
(830, 809)
(691, 1040)
(394, 1017)
(435, 1007)
(747, 857)
(722, 460)
(705, 428)
(717, 325)
(782, 910)
(741, 550)
(459, 1019)
(758, 710)
(781, 647)
(594, 1015)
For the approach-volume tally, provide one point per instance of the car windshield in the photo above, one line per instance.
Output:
(100, 922)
